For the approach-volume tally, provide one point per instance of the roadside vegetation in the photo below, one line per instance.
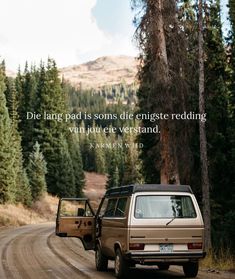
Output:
(43, 210)
(219, 260)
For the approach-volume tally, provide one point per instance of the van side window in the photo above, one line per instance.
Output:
(109, 212)
(74, 208)
(121, 206)
(103, 207)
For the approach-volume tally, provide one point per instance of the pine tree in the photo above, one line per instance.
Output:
(36, 173)
(202, 132)
(27, 86)
(25, 194)
(63, 171)
(218, 83)
(48, 133)
(121, 158)
(115, 178)
(21, 190)
(76, 157)
(100, 166)
(231, 83)
(163, 87)
(7, 182)
(113, 172)
(220, 107)
(132, 166)
(12, 103)
(87, 154)
(84, 146)
(231, 6)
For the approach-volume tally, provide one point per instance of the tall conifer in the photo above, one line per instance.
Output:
(21, 189)
(49, 133)
(63, 171)
(163, 88)
(113, 172)
(76, 157)
(36, 172)
(7, 182)
(132, 165)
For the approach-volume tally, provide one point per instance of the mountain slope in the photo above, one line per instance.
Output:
(107, 70)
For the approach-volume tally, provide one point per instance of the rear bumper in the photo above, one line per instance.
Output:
(142, 256)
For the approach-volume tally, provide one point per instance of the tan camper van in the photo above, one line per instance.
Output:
(138, 224)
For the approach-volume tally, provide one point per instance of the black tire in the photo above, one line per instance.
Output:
(121, 266)
(131, 264)
(190, 269)
(163, 266)
(101, 261)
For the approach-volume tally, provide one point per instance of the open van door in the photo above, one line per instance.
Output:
(75, 218)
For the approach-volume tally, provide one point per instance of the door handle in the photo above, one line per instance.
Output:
(78, 223)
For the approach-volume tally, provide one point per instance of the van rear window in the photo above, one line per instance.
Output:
(164, 207)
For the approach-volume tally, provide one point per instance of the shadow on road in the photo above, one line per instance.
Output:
(150, 273)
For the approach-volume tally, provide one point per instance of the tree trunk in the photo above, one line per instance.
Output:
(203, 140)
(160, 44)
(169, 166)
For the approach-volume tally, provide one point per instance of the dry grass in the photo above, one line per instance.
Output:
(221, 261)
(45, 209)
(18, 215)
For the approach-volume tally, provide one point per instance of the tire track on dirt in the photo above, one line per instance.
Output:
(63, 258)
(6, 268)
(26, 255)
(74, 254)
(15, 256)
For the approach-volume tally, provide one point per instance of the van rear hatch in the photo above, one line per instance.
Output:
(165, 225)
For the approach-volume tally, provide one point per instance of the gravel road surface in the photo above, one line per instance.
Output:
(34, 252)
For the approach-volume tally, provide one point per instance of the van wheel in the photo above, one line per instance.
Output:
(101, 261)
(190, 269)
(121, 265)
(163, 266)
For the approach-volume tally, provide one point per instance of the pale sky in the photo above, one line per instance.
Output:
(224, 15)
(70, 31)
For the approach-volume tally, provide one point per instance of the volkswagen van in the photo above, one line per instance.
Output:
(138, 224)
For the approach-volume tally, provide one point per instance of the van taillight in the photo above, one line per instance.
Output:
(197, 245)
(136, 246)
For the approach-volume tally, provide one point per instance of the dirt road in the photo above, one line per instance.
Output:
(34, 252)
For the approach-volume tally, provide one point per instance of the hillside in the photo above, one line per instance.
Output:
(107, 70)
(45, 209)
(41, 211)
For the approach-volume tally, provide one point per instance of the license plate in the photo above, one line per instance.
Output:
(166, 248)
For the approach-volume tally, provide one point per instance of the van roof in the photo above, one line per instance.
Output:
(130, 189)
